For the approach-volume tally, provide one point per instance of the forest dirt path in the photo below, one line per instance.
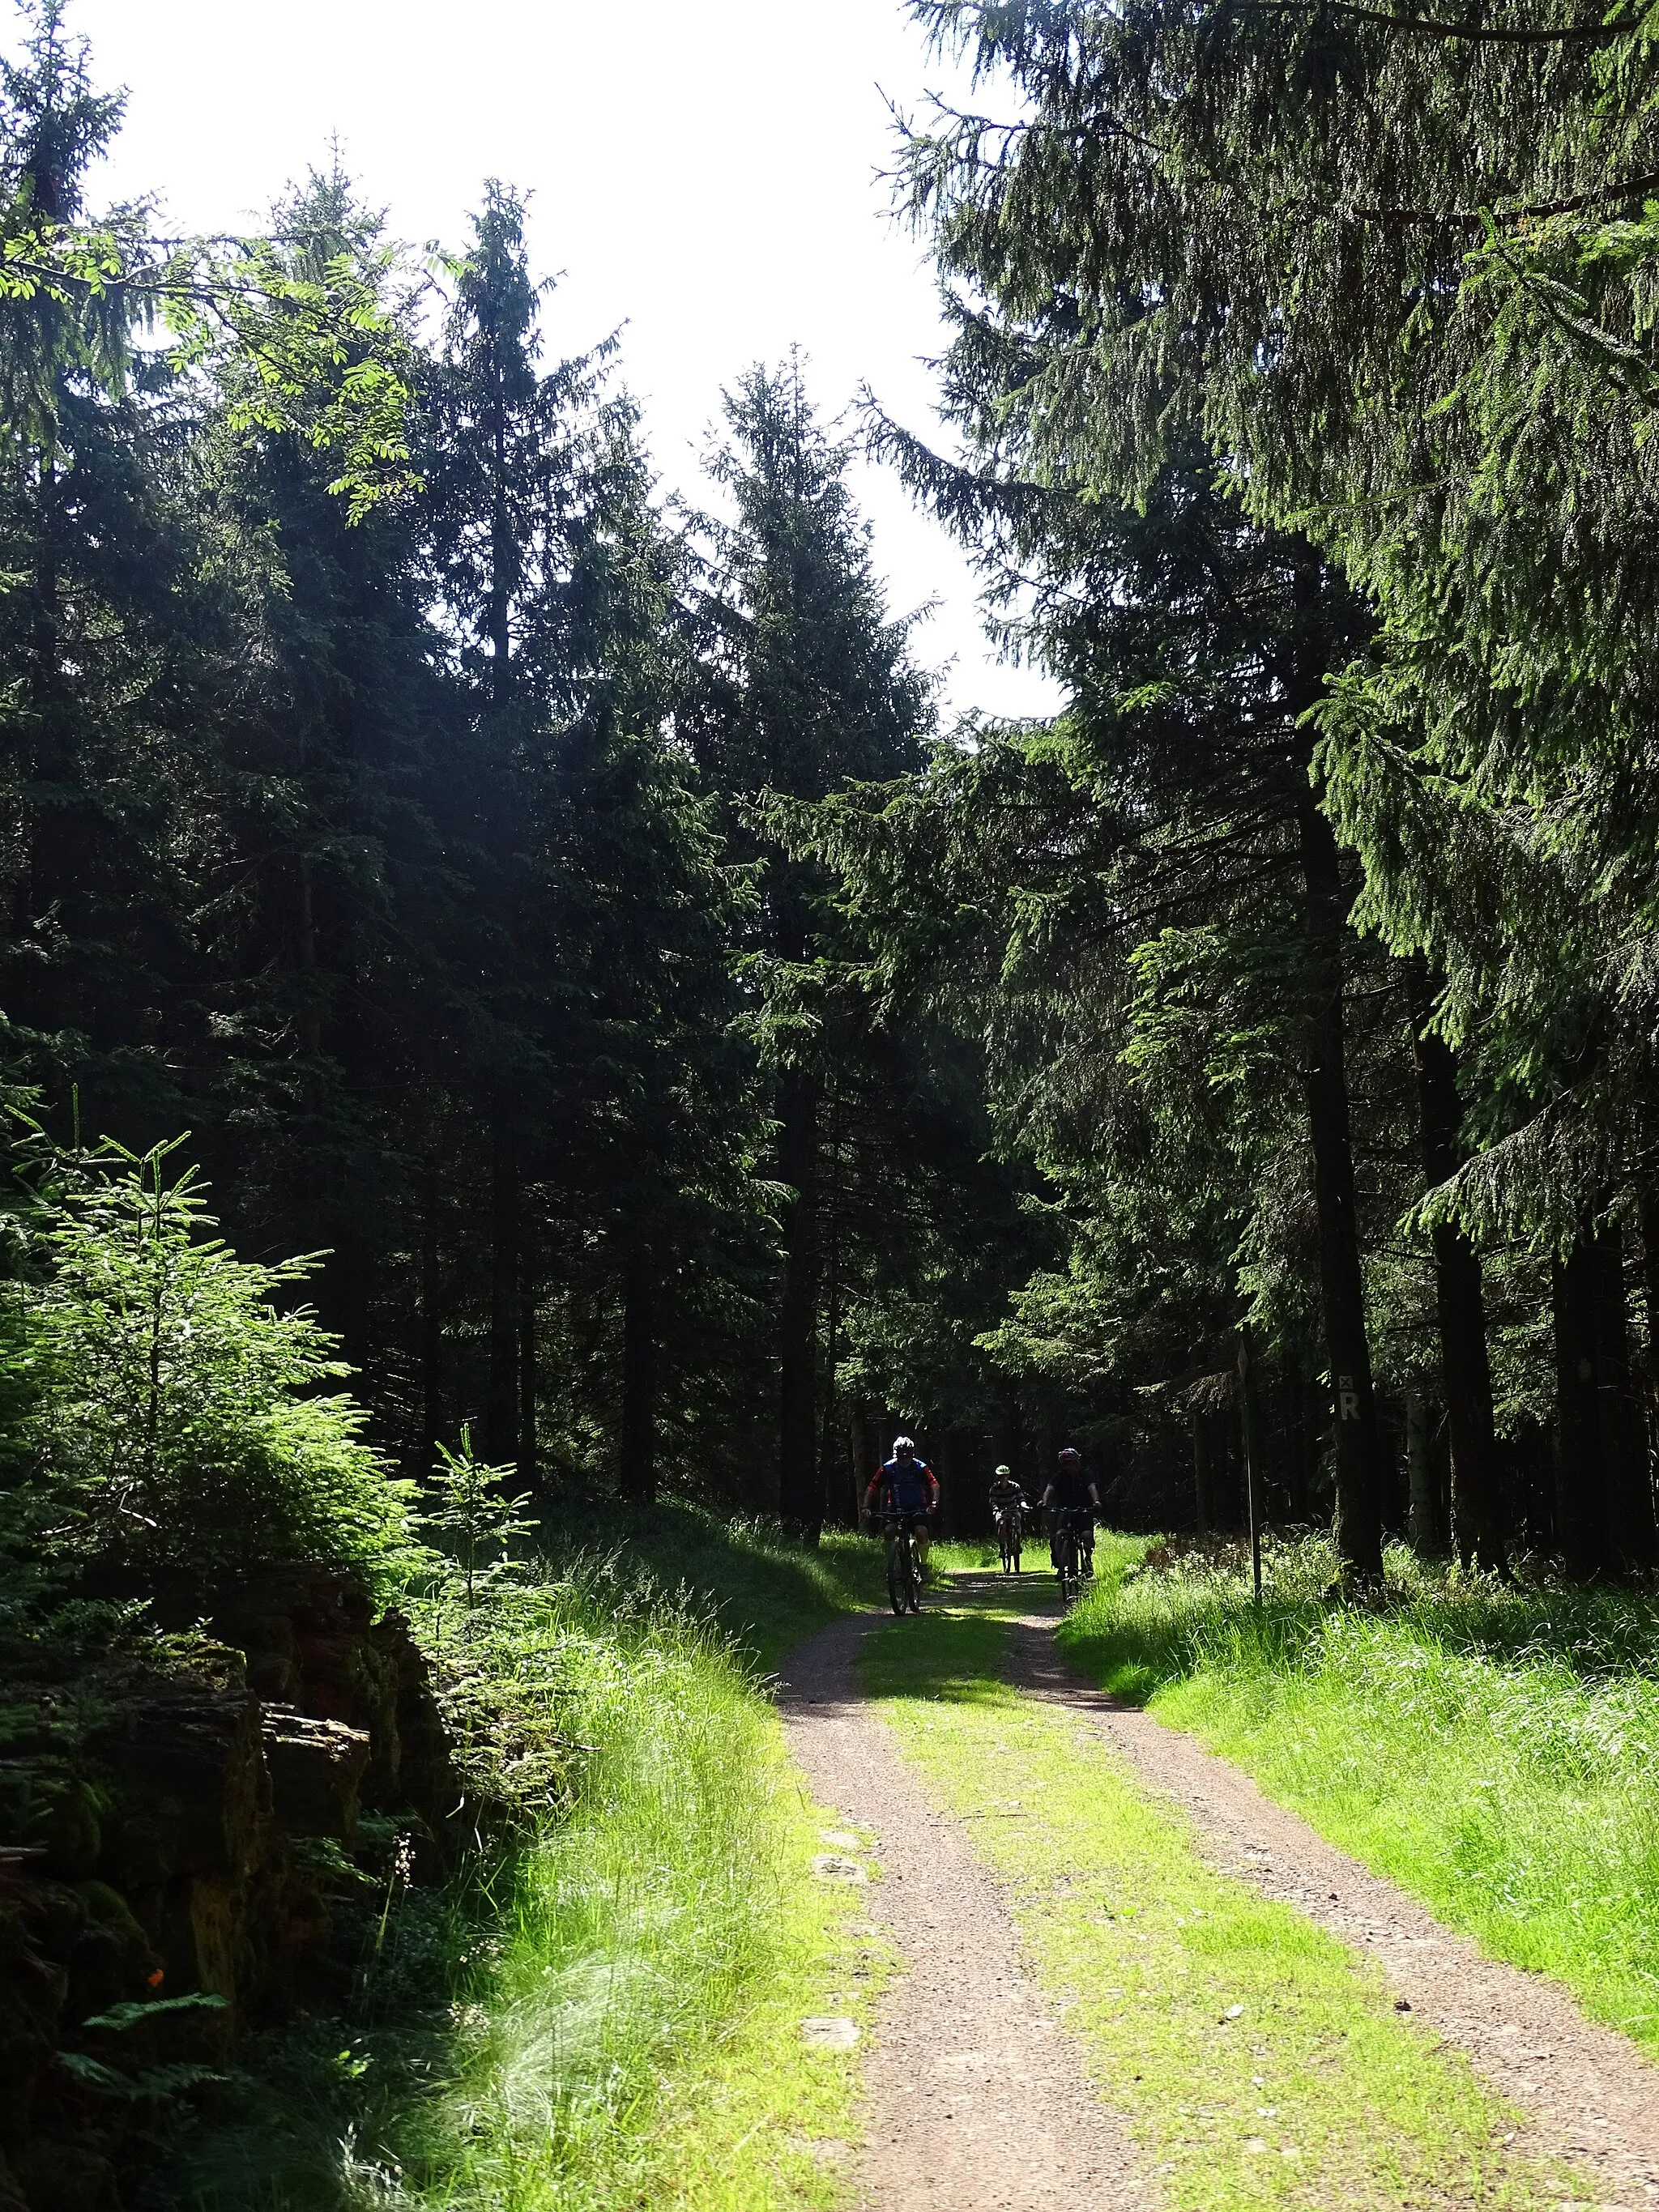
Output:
(1588, 2093)
(977, 2098)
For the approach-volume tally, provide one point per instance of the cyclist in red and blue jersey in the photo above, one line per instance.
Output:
(908, 1486)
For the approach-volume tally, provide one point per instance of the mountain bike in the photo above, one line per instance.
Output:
(1011, 1537)
(904, 1567)
(1068, 1552)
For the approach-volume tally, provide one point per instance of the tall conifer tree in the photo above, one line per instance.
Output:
(811, 686)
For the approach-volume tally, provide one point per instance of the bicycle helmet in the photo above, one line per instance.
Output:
(1071, 1456)
(904, 1444)
(1005, 1474)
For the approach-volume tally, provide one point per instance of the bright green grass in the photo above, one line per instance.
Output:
(1255, 2061)
(635, 2037)
(767, 1591)
(1495, 1752)
(979, 1555)
(608, 2013)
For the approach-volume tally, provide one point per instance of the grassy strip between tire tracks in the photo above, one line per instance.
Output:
(1257, 2061)
(610, 2013)
(1494, 1750)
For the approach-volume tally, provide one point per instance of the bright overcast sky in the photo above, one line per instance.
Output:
(705, 175)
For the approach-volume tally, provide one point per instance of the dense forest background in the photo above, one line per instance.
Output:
(562, 910)
(380, 756)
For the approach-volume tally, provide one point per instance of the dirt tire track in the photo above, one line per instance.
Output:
(1587, 2092)
(977, 2099)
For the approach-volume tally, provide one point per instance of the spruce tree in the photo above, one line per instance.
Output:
(606, 1071)
(1392, 271)
(1161, 845)
(809, 684)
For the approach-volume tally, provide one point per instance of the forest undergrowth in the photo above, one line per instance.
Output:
(1493, 1747)
(603, 2005)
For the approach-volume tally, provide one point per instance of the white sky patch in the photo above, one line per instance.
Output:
(707, 176)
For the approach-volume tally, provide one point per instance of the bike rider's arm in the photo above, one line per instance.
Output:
(932, 1487)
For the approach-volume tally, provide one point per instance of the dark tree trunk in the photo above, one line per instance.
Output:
(502, 1421)
(945, 1470)
(1651, 1317)
(56, 836)
(800, 1505)
(1477, 1512)
(1359, 1527)
(344, 1299)
(1203, 1478)
(864, 1462)
(832, 1445)
(529, 1470)
(1459, 1300)
(1651, 1278)
(1298, 1453)
(432, 1323)
(832, 1429)
(1626, 1494)
(1579, 1441)
(1650, 1314)
(1011, 1441)
(308, 1016)
(1424, 1520)
(639, 1412)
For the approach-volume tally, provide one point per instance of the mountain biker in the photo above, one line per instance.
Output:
(1007, 1493)
(1071, 1491)
(907, 1486)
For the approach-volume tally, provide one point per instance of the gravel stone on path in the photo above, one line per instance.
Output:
(1588, 2092)
(976, 2098)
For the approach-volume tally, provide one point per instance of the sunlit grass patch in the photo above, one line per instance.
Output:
(606, 2012)
(638, 2030)
(1496, 1751)
(968, 1555)
(1255, 2061)
(767, 1589)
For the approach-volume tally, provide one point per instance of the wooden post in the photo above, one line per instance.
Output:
(1252, 1455)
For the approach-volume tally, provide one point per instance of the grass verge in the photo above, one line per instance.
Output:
(1494, 1750)
(979, 1554)
(607, 2011)
(1255, 2061)
(766, 1591)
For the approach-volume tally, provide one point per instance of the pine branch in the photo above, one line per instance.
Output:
(1469, 29)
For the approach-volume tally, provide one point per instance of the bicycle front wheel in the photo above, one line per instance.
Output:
(898, 1554)
(1068, 1575)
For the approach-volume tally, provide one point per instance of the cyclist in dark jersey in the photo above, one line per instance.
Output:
(1071, 1491)
(907, 1486)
